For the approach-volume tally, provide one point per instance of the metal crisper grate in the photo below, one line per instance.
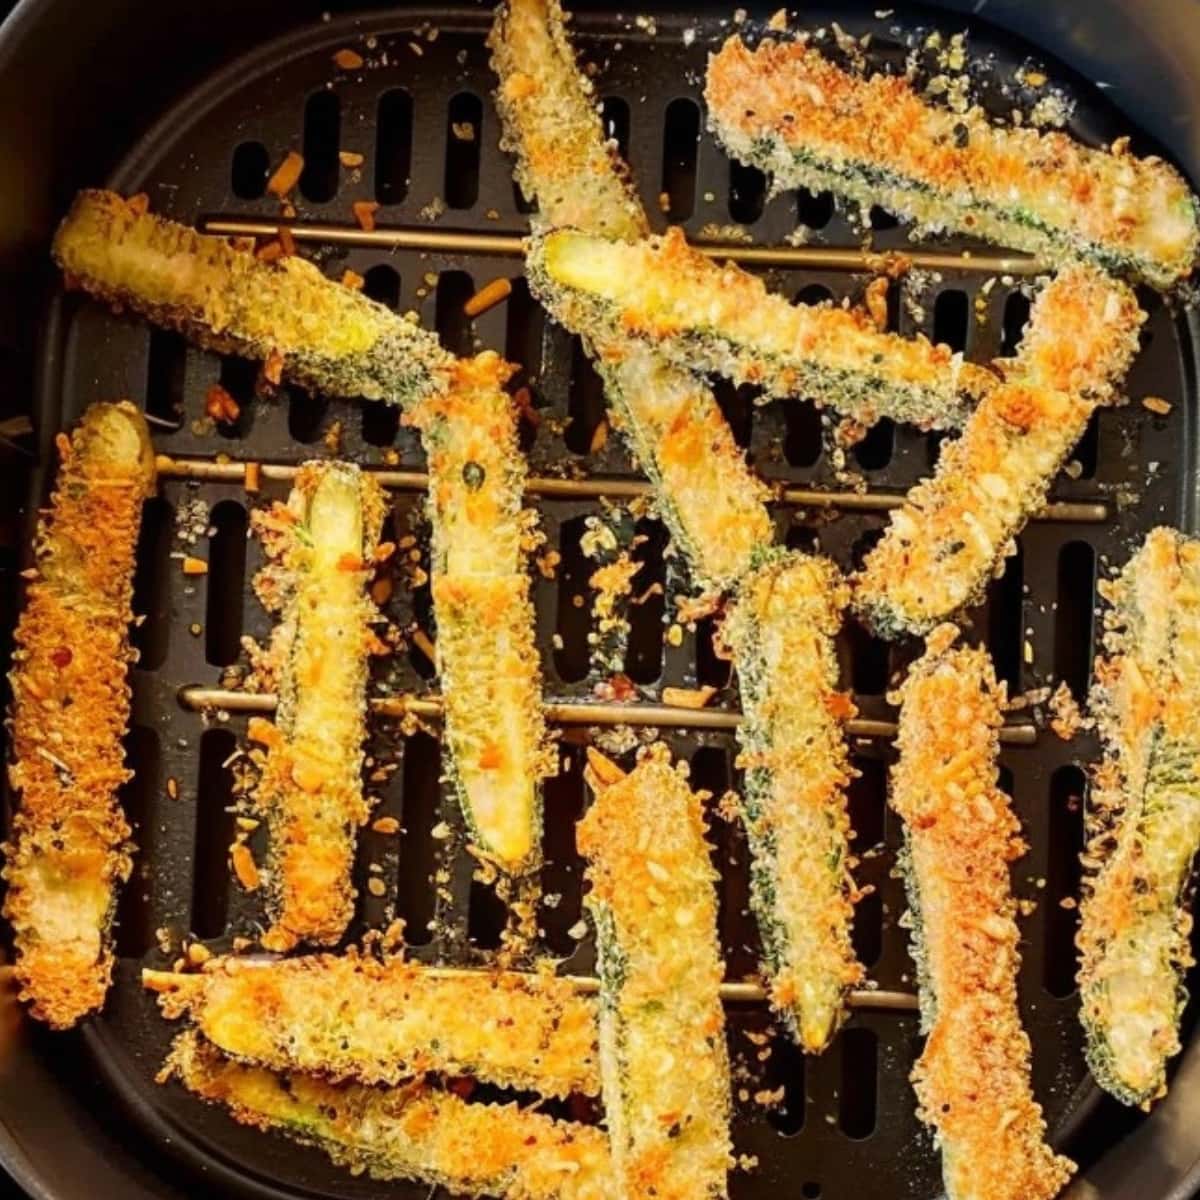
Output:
(845, 1125)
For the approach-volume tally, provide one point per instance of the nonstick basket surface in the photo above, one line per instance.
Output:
(419, 112)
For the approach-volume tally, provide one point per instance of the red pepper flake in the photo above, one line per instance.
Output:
(62, 657)
(220, 405)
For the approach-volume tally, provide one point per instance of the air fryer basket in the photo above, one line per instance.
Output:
(80, 1114)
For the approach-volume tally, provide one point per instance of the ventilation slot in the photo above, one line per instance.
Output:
(868, 660)
(747, 193)
(860, 1084)
(1066, 836)
(802, 442)
(874, 452)
(933, 447)
(453, 325)
(644, 650)
(393, 146)
(867, 802)
(381, 420)
(226, 581)
(135, 917)
(1016, 316)
(562, 876)
(525, 324)
(880, 219)
(614, 114)
(322, 139)
(239, 377)
(867, 935)
(786, 1069)
(1088, 450)
(306, 415)
(1073, 616)
(1004, 621)
(710, 669)
(464, 133)
(574, 604)
(950, 319)
(165, 367)
(486, 915)
(249, 171)
(802, 538)
(737, 405)
(681, 140)
(814, 210)
(585, 402)
(418, 857)
(215, 829)
(151, 584)
(422, 610)
(811, 1191)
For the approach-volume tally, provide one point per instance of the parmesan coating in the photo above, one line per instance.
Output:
(70, 843)
(410, 1132)
(351, 1016)
(717, 318)
(330, 338)
(789, 111)
(954, 530)
(1143, 820)
(486, 653)
(706, 493)
(664, 1068)
(972, 1080)
(322, 545)
(781, 632)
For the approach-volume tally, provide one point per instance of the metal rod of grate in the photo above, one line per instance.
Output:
(1080, 512)
(667, 716)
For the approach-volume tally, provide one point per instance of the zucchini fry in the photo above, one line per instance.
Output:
(664, 1069)
(353, 1017)
(954, 529)
(706, 493)
(972, 1080)
(322, 544)
(329, 338)
(486, 656)
(411, 1132)
(789, 111)
(70, 844)
(1144, 820)
(720, 320)
(781, 631)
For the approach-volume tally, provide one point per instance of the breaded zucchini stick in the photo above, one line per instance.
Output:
(322, 545)
(789, 111)
(706, 493)
(352, 1016)
(70, 846)
(329, 338)
(1144, 820)
(410, 1132)
(664, 1069)
(972, 1080)
(955, 529)
(714, 318)
(781, 630)
(486, 656)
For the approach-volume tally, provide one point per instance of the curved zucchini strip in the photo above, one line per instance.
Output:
(781, 630)
(331, 339)
(954, 529)
(486, 655)
(411, 1132)
(323, 544)
(353, 1017)
(972, 1080)
(789, 111)
(1144, 820)
(707, 496)
(718, 319)
(664, 1068)
(70, 844)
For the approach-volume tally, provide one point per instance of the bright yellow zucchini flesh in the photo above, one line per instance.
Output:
(718, 319)
(69, 846)
(953, 531)
(788, 110)
(409, 1132)
(352, 1016)
(330, 338)
(781, 630)
(664, 1068)
(973, 1078)
(487, 659)
(322, 546)
(1144, 820)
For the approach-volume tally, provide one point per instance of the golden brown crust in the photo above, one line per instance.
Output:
(70, 843)
(972, 1080)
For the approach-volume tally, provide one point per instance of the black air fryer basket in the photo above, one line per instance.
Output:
(194, 104)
